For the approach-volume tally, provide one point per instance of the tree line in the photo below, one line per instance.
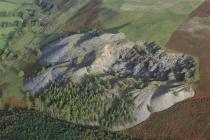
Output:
(30, 124)
(89, 102)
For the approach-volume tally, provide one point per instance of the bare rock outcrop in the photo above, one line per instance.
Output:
(113, 55)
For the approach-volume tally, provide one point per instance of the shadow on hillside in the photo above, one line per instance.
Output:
(116, 29)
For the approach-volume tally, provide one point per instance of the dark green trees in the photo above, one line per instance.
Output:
(32, 125)
(90, 102)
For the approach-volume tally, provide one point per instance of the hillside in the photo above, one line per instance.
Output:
(42, 26)
(150, 20)
(106, 80)
(30, 124)
(104, 64)
(190, 119)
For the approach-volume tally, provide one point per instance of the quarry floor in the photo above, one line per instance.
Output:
(189, 120)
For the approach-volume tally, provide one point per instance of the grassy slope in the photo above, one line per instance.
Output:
(8, 7)
(12, 94)
(23, 41)
(21, 1)
(150, 20)
(6, 30)
(9, 19)
(13, 90)
(29, 125)
(2, 43)
(5, 6)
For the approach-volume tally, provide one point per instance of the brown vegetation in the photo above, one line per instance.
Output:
(189, 120)
(29, 68)
(196, 43)
(186, 121)
(89, 17)
(15, 103)
(3, 87)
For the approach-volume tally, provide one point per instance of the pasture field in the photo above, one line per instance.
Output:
(12, 93)
(21, 1)
(2, 42)
(8, 7)
(4, 31)
(13, 90)
(23, 41)
(9, 19)
(149, 20)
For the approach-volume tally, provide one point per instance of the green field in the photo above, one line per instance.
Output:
(2, 43)
(150, 20)
(9, 63)
(8, 7)
(6, 30)
(9, 19)
(13, 90)
(21, 1)
(23, 41)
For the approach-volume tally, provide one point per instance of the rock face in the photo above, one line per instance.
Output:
(155, 99)
(165, 74)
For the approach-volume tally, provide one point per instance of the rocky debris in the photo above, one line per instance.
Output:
(150, 63)
(36, 84)
(71, 47)
(155, 99)
(170, 96)
(58, 52)
(112, 54)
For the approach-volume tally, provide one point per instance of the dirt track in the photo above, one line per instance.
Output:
(189, 120)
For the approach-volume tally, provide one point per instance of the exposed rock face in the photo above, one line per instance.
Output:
(71, 47)
(111, 54)
(41, 80)
(155, 99)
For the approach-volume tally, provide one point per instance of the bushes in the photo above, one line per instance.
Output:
(21, 74)
(6, 24)
(80, 60)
